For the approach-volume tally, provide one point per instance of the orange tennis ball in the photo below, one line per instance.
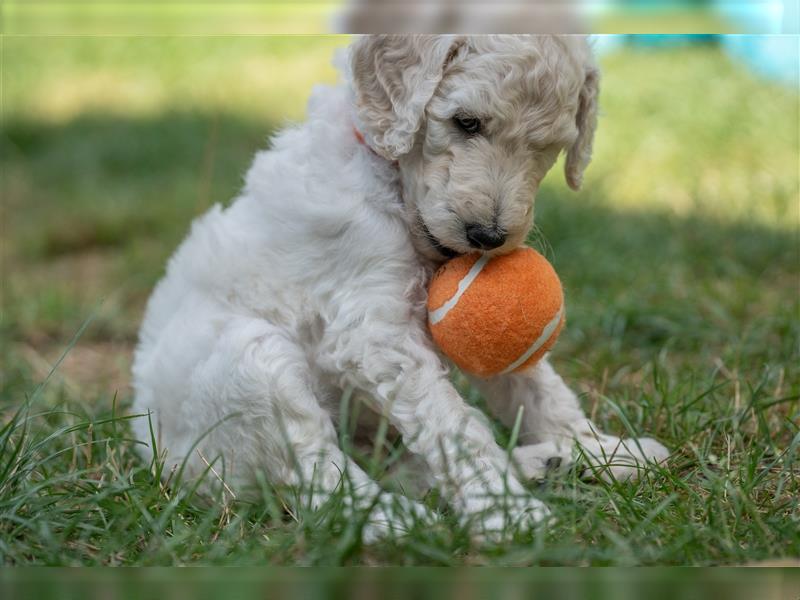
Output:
(496, 315)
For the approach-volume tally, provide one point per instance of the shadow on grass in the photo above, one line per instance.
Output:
(644, 278)
(100, 181)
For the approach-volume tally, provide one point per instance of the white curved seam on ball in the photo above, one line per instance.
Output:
(435, 316)
(547, 333)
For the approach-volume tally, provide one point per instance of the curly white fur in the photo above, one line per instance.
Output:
(313, 281)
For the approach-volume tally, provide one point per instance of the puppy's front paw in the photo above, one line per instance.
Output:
(494, 517)
(598, 456)
(395, 515)
(537, 461)
(652, 451)
(611, 458)
(497, 523)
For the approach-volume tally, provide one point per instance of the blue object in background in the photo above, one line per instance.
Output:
(773, 52)
(664, 40)
(760, 16)
(776, 57)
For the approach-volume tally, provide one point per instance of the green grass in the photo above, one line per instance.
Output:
(680, 261)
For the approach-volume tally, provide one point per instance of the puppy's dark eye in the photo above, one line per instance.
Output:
(469, 125)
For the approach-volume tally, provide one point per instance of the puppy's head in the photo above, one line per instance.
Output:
(475, 123)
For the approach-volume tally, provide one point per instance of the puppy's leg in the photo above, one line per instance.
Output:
(262, 376)
(555, 431)
(394, 363)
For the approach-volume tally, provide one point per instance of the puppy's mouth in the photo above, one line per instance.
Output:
(434, 241)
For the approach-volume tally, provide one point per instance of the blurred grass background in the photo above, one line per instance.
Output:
(680, 258)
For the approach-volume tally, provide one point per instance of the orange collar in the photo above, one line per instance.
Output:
(360, 138)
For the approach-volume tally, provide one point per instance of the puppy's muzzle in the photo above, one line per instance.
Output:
(481, 237)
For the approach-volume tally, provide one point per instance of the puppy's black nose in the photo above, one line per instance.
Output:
(484, 238)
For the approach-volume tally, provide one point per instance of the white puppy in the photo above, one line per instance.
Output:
(312, 282)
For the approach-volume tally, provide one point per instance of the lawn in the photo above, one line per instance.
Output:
(680, 260)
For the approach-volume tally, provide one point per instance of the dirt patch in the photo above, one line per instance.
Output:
(88, 369)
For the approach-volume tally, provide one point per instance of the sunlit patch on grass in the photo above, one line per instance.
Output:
(693, 132)
(55, 79)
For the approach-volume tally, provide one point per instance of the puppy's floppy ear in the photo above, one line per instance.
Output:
(394, 77)
(580, 153)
